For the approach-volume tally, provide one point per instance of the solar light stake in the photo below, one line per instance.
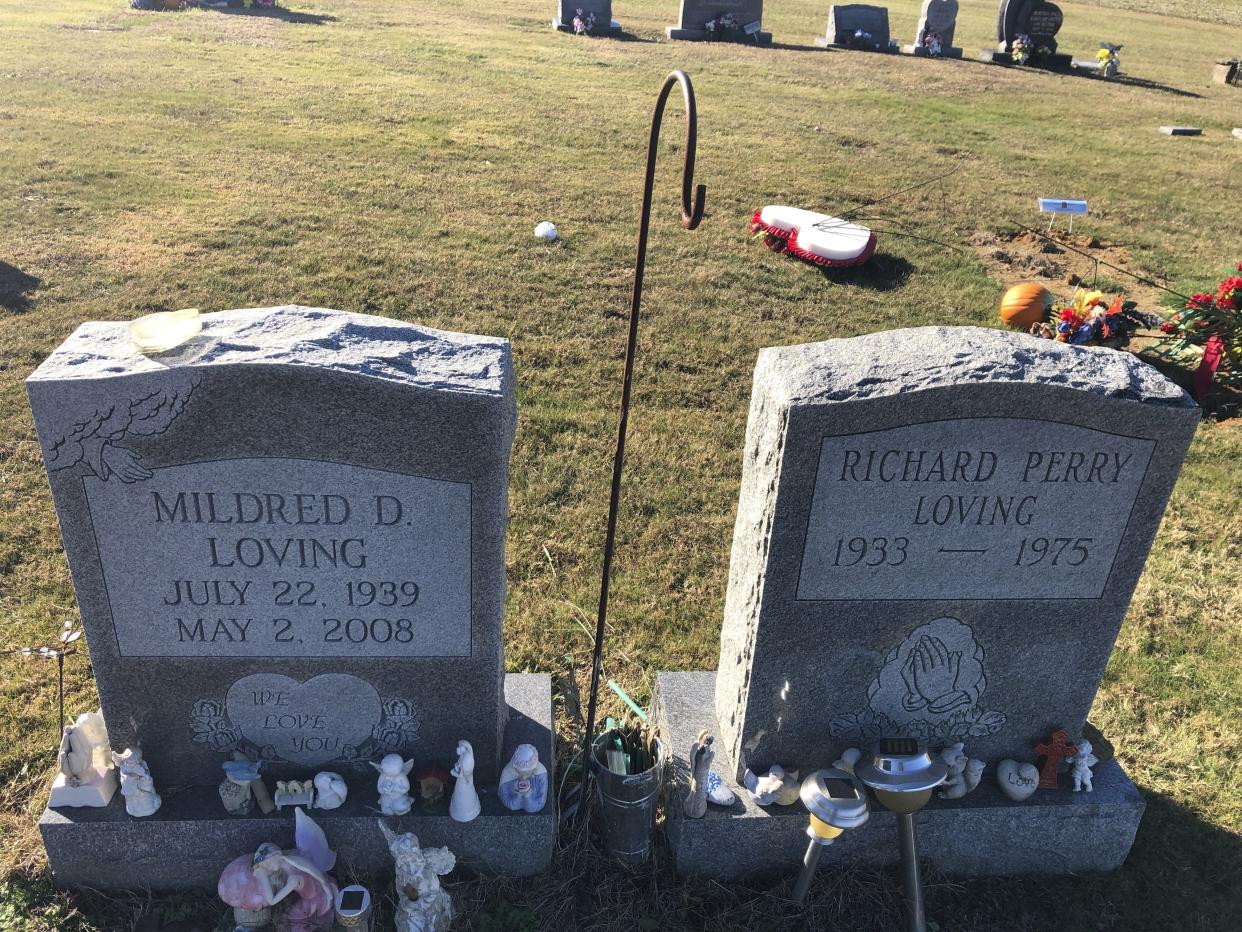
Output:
(903, 775)
(835, 804)
(911, 876)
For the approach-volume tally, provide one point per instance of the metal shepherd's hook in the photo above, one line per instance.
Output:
(691, 216)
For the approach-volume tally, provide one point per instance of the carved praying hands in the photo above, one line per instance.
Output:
(932, 677)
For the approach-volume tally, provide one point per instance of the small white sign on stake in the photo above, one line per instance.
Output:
(752, 29)
(1056, 206)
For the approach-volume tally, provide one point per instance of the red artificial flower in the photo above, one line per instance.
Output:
(1169, 326)
(1116, 306)
(1068, 315)
(1227, 295)
(1200, 300)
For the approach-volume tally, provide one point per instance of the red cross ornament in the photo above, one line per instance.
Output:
(1053, 751)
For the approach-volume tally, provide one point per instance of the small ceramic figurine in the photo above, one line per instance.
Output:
(1083, 760)
(776, 786)
(524, 781)
(255, 882)
(86, 775)
(294, 793)
(464, 805)
(422, 904)
(394, 784)
(718, 792)
(964, 772)
(235, 790)
(431, 783)
(330, 790)
(136, 784)
(849, 757)
(701, 755)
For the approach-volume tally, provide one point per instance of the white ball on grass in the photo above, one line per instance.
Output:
(546, 231)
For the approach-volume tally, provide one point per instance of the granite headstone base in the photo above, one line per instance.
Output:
(1058, 61)
(700, 35)
(825, 43)
(612, 30)
(920, 51)
(189, 841)
(984, 834)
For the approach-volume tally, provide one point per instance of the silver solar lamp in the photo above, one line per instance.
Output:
(835, 804)
(902, 775)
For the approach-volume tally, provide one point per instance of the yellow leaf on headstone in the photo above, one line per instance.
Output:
(158, 333)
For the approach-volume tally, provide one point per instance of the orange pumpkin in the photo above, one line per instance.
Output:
(1024, 305)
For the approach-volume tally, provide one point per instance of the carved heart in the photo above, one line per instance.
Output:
(304, 723)
(1017, 781)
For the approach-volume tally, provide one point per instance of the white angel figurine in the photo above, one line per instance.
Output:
(330, 790)
(422, 904)
(1083, 760)
(464, 806)
(394, 784)
(136, 784)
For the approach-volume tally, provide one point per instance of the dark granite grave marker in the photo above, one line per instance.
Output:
(695, 14)
(846, 20)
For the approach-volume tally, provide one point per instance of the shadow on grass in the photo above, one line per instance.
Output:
(275, 12)
(883, 272)
(1126, 80)
(15, 287)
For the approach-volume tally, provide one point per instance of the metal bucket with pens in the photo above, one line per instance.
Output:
(629, 762)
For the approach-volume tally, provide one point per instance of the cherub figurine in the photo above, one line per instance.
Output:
(136, 784)
(464, 806)
(524, 781)
(330, 790)
(422, 904)
(701, 755)
(964, 772)
(254, 882)
(1083, 760)
(394, 784)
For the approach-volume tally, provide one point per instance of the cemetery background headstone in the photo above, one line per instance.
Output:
(287, 541)
(1041, 20)
(940, 17)
(938, 535)
(695, 14)
(605, 25)
(1181, 130)
(845, 21)
(1227, 71)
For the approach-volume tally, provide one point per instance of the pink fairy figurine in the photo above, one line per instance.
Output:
(255, 882)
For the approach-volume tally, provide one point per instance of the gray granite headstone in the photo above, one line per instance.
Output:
(938, 536)
(287, 537)
(940, 17)
(566, 10)
(844, 21)
(696, 13)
